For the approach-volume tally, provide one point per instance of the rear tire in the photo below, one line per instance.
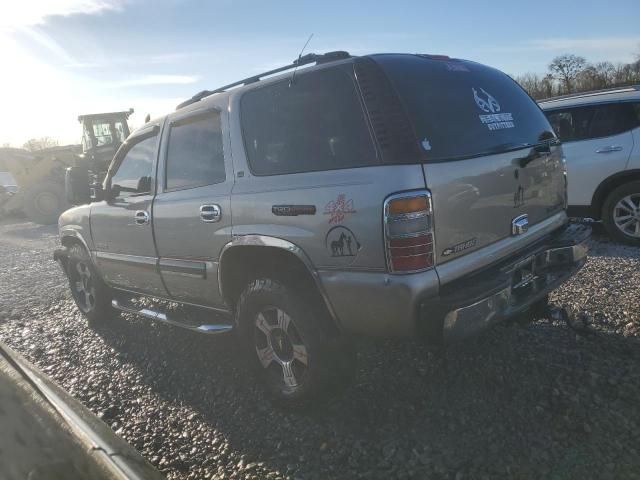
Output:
(621, 213)
(92, 296)
(288, 344)
(44, 202)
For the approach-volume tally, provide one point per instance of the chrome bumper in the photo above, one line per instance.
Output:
(525, 281)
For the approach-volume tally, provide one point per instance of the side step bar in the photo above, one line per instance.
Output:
(212, 329)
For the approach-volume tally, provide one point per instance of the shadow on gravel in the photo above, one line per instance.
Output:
(516, 402)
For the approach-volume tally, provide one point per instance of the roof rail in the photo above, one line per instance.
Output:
(303, 60)
(619, 88)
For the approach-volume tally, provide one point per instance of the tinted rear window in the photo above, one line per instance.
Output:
(317, 123)
(462, 109)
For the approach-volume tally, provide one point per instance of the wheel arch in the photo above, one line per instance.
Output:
(608, 185)
(251, 256)
(69, 239)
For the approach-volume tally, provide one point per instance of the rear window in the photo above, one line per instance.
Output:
(317, 123)
(462, 109)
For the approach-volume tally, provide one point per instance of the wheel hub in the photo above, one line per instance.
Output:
(281, 344)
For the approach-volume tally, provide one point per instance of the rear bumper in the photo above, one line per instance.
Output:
(512, 287)
(381, 304)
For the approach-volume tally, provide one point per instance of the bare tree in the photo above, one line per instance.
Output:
(566, 68)
(42, 143)
(531, 83)
(570, 73)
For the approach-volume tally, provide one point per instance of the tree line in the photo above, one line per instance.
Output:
(571, 73)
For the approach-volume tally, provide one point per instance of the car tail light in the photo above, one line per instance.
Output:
(408, 230)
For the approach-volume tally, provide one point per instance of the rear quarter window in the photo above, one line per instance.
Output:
(462, 109)
(315, 123)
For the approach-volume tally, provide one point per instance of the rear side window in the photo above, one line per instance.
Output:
(596, 121)
(195, 157)
(135, 172)
(462, 109)
(317, 123)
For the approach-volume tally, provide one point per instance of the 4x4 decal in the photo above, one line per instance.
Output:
(339, 208)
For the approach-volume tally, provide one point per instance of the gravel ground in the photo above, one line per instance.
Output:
(518, 402)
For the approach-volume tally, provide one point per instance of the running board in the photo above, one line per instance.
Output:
(212, 329)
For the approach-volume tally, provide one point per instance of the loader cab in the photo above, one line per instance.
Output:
(102, 135)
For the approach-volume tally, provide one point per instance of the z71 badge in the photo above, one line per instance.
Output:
(459, 247)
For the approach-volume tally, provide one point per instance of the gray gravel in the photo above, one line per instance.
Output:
(533, 402)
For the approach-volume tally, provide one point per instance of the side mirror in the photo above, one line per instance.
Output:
(76, 185)
(113, 192)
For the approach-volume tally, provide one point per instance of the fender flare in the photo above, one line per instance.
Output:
(67, 232)
(274, 242)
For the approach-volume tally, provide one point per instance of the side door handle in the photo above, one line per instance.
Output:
(210, 213)
(609, 149)
(142, 217)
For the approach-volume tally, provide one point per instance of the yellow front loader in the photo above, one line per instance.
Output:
(39, 175)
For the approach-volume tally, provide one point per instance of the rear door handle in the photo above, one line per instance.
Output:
(210, 213)
(142, 217)
(609, 149)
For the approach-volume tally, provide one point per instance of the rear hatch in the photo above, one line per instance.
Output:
(489, 153)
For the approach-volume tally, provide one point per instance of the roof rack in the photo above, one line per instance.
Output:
(303, 60)
(620, 88)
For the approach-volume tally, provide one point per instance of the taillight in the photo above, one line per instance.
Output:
(408, 230)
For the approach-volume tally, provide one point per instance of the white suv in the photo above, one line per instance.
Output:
(600, 132)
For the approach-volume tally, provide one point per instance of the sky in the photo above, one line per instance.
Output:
(62, 58)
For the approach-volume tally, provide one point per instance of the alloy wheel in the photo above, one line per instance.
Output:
(280, 348)
(83, 287)
(626, 215)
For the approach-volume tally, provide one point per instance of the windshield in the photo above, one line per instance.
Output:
(462, 109)
(102, 133)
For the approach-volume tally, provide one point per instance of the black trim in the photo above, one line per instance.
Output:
(393, 131)
(188, 267)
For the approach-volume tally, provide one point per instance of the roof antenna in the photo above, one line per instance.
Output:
(293, 77)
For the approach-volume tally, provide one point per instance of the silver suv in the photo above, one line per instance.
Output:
(386, 195)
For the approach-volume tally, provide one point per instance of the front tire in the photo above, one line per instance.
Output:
(287, 341)
(91, 295)
(621, 213)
